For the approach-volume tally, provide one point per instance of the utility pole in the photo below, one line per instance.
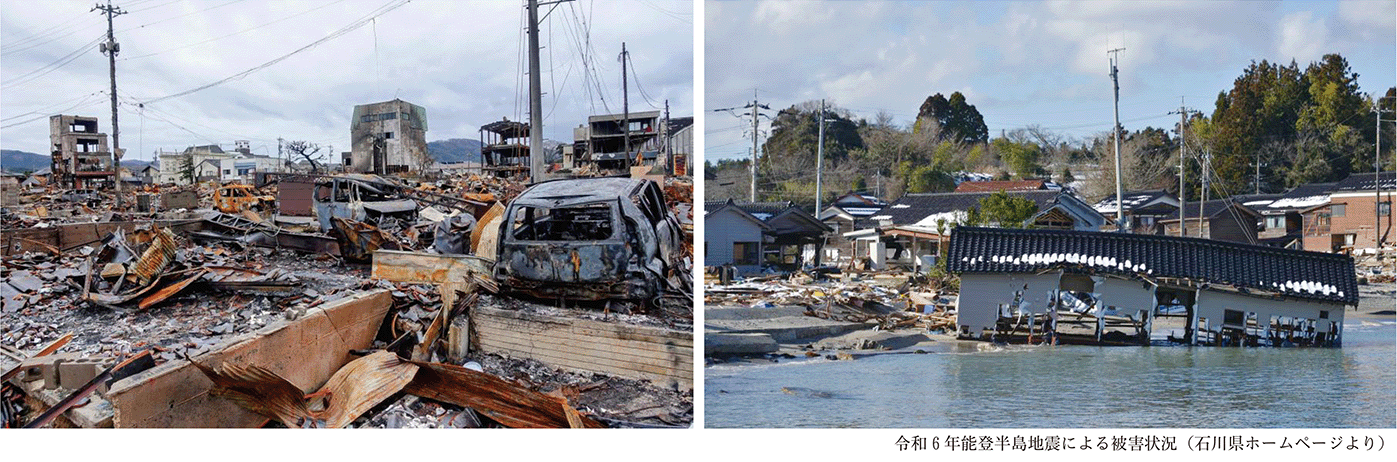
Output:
(536, 167)
(755, 106)
(111, 48)
(625, 107)
(1183, 122)
(669, 150)
(752, 195)
(1207, 162)
(819, 160)
(1377, 174)
(1115, 84)
(280, 155)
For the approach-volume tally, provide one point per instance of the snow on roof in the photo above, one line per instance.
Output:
(1299, 202)
(952, 217)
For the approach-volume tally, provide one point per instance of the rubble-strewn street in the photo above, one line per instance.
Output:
(397, 315)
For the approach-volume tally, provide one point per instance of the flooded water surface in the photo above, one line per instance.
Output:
(1071, 387)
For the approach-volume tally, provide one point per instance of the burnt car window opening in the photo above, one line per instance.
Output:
(584, 222)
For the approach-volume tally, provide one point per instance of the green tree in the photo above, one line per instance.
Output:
(925, 178)
(1020, 157)
(186, 167)
(952, 119)
(1002, 209)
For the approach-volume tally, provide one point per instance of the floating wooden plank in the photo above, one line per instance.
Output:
(504, 402)
(305, 352)
(662, 356)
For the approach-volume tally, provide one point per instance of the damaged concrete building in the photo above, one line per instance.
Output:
(1119, 289)
(389, 137)
(504, 148)
(81, 159)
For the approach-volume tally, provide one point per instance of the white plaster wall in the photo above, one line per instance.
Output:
(1212, 304)
(981, 294)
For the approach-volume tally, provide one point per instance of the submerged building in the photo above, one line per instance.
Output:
(1113, 288)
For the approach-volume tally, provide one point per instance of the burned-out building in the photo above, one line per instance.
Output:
(1111, 288)
(504, 148)
(389, 137)
(602, 142)
(81, 159)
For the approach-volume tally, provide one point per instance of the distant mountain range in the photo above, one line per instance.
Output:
(25, 162)
(454, 150)
(468, 150)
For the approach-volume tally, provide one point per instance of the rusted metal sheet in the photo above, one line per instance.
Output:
(156, 257)
(362, 384)
(296, 198)
(509, 404)
(359, 240)
(169, 290)
(172, 200)
(351, 391)
(260, 391)
(426, 268)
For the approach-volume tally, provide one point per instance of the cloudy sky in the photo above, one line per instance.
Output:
(1021, 63)
(460, 60)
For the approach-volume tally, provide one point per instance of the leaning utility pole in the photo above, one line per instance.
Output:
(110, 48)
(1115, 83)
(819, 160)
(536, 166)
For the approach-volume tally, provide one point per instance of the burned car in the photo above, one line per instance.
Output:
(362, 198)
(590, 239)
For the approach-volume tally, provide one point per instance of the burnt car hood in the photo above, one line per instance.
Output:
(385, 207)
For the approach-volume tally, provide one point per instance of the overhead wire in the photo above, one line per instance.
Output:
(167, 50)
(387, 7)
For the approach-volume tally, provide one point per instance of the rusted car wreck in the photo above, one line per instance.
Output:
(591, 239)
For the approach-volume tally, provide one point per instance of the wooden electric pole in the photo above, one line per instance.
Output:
(111, 48)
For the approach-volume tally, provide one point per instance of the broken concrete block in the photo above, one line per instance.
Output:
(74, 373)
(739, 344)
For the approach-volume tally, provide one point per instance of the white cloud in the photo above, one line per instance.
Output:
(1302, 37)
(458, 59)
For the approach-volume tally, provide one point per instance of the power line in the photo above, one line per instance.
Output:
(53, 66)
(180, 16)
(234, 33)
(392, 5)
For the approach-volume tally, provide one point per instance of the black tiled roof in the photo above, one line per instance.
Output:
(1132, 199)
(1364, 182)
(1296, 273)
(919, 206)
(1210, 208)
(772, 208)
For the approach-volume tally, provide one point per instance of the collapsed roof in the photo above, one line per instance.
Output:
(1294, 273)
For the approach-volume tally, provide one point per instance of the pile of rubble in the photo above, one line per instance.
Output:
(173, 290)
(888, 299)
